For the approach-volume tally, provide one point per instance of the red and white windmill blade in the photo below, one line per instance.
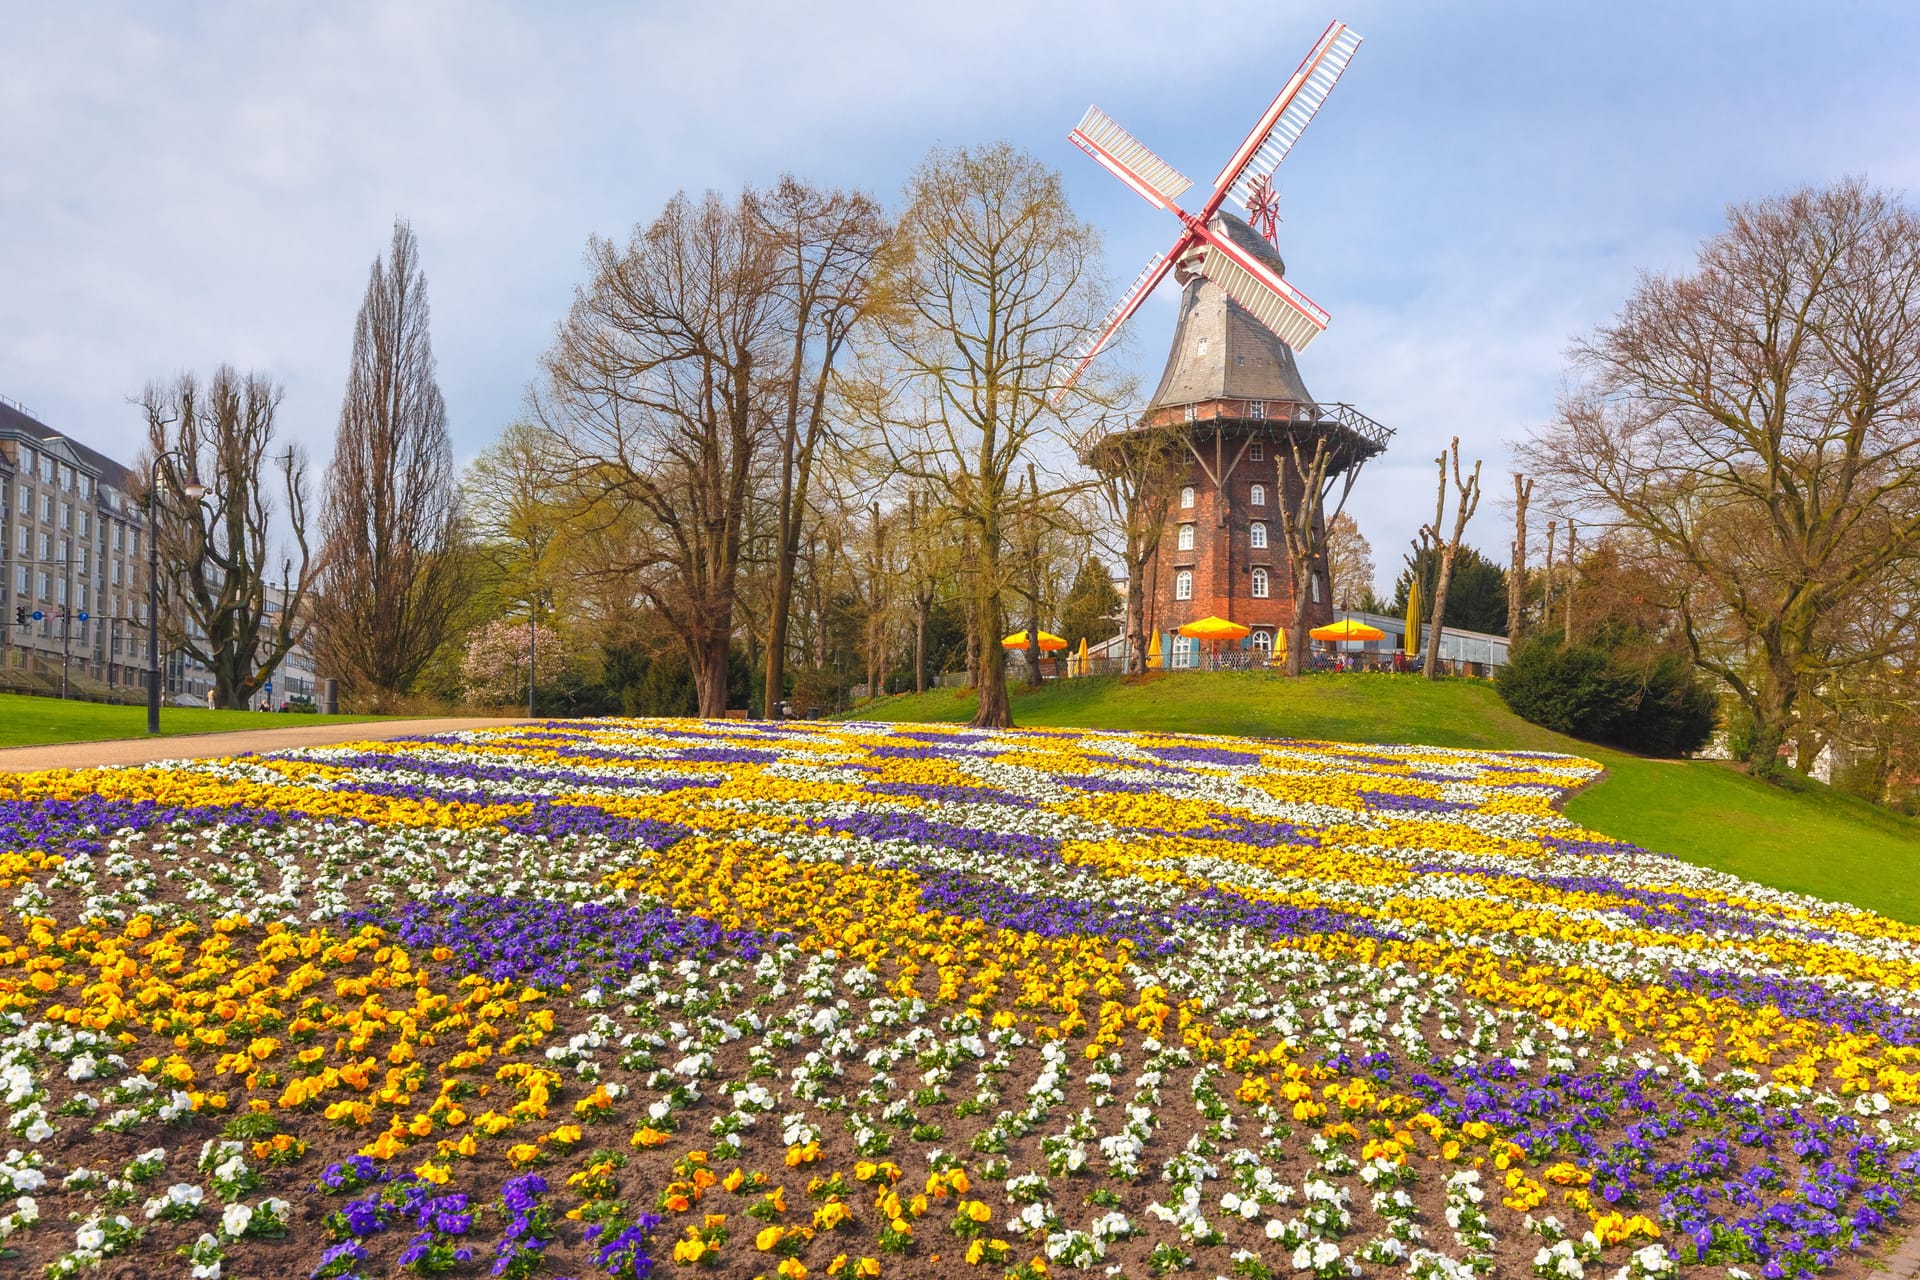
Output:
(1265, 294)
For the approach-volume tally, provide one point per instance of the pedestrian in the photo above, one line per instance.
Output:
(210, 705)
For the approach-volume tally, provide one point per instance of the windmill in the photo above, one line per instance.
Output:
(1203, 249)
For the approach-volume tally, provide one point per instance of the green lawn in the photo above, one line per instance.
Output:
(1810, 838)
(36, 722)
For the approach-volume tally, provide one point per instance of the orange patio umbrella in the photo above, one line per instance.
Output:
(1215, 628)
(1347, 629)
(1048, 641)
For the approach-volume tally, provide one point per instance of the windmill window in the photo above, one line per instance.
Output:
(1258, 451)
(1257, 410)
(1258, 532)
(1183, 585)
(1200, 347)
(1190, 413)
(1260, 585)
(1186, 497)
(1186, 537)
(1258, 495)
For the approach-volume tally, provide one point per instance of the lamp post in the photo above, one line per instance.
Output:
(194, 491)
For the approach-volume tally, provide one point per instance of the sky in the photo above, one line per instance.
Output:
(186, 184)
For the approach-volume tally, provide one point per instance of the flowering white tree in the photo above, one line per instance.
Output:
(494, 671)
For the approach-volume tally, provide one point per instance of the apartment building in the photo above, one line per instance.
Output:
(73, 576)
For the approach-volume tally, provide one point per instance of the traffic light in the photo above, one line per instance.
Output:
(20, 616)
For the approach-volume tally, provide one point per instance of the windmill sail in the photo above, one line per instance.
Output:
(1128, 159)
(1130, 301)
(1289, 314)
(1288, 116)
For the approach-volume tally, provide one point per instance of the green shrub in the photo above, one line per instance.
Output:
(1647, 703)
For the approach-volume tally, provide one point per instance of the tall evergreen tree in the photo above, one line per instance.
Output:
(392, 585)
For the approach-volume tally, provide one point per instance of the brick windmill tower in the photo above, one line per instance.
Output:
(1231, 386)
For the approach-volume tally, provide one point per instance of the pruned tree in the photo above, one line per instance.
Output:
(1754, 418)
(1303, 524)
(658, 395)
(827, 250)
(218, 604)
(993, 282)
(393, 582)
(1517, 575)
(1466, 502)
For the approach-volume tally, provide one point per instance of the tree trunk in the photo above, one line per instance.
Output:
(709, 657)
(990, 663)
(921, 606)
(1137, 618)
(1517, 576)
(1432, 668)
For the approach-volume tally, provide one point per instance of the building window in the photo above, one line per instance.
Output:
(1183, 585)
(1263, 643)
(1186, 497)
(1260, 585)
(1186, 652)
(1259, 496)
(1186, 537)
(1257, 410)
(1190, 413)
(1257, 531)
(1258, 451)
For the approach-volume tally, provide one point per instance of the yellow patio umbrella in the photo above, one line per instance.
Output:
(1215, 628)
(1347, 629)
(1083, 656)
(1153, 652)
(1048, 641)
(1412, 646)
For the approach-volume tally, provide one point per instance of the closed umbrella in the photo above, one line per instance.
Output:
(1412, 645)
(1153, 652)
(1083, 656)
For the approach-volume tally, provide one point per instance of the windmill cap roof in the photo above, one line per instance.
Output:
(1219, 351)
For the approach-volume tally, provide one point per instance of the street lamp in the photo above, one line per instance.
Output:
(193, 491)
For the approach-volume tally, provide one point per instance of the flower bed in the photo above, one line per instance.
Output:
(620, 998)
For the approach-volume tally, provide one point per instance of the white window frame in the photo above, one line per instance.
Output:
(1186, 497)
(1262, 587)
(1257, 410)
(1184, 540)
(1257, 535)
(1263, 641)
(1257, 496)
(1183, 585)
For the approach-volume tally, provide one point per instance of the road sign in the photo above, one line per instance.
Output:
(83, 615)
(38, 616)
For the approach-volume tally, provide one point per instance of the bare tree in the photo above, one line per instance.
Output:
(1467, 501)
(1303, 523)
(1349, 561)
(1140, 473)
(215, 554)
(393, 582)
(1755, 419)
(828, 247)
(994, 282)
(1517, 577)
(657, 396)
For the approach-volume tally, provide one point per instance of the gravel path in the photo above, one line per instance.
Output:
(86, 755)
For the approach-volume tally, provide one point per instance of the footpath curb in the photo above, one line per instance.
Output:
(202, 746)
(1904, 1263)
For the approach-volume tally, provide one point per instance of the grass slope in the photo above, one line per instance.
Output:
(35, 722)
(1810, 838)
